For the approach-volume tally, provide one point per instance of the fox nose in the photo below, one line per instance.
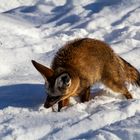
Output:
(50, 101)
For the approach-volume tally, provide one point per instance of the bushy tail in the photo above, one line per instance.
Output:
(132, 74)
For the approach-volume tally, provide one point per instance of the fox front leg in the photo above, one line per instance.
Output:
(63, 103)
(85, 95)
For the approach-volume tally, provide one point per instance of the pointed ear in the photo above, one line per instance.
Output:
(45, 72)
(63, 81)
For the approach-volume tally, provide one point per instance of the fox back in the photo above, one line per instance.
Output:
(80, 64)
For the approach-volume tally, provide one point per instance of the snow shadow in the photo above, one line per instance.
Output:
(22, 9)
(124, 17)
(97, 6)
(115, 34)
(58, 15)
(22, 95)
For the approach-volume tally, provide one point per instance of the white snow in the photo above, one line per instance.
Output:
(33, 29)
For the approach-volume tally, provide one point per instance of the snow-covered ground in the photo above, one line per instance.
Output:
(36, 29)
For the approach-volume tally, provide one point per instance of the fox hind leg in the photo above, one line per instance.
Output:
(118, 87)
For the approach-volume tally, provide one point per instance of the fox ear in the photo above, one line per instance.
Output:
(63, 81)
(45, 72)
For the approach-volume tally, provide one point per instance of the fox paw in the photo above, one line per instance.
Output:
(128, 96)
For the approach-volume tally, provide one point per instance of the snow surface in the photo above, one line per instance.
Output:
(36, 29)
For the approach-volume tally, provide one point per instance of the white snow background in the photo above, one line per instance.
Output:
(36, 29)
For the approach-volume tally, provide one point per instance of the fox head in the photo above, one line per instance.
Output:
(59, 84)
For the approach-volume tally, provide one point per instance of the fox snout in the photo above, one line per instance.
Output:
(50, 101)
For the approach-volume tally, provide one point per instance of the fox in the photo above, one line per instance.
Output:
(81, 63)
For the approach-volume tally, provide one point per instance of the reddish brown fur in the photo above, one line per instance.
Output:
(88, 61)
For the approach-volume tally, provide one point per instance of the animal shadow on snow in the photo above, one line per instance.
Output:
(22, 95)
